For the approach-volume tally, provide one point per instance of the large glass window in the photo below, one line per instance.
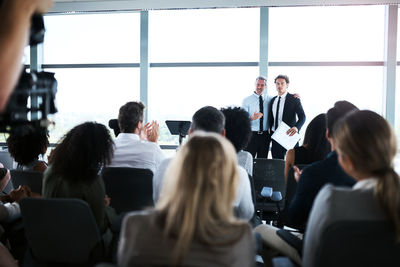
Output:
(204, 35)
(341, 33)
(92, 95)
(176, 93)
(320, 87)
(92, 38)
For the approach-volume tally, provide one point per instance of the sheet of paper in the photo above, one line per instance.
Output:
(280, 136)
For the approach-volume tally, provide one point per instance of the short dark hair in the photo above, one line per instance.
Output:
(281, 76)
(237, 126)
(317, 144)
(26, 143)
(82, 152)
(208, 119)
(339, 110)
(130, 115)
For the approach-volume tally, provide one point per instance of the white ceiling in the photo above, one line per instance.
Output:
(121, 5)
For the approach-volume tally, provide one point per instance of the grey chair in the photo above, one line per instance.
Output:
(30, 178)
(61, 232)
(130, 189)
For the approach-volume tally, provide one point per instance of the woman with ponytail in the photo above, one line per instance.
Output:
(193, 223)
(366, 147)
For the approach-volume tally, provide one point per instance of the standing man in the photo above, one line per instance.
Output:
(257, 107)
(284, 107)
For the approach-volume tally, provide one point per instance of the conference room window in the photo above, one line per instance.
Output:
(96, 61)
(330, 54)
(220, 36)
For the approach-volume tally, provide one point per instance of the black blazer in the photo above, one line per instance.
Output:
(290, 110)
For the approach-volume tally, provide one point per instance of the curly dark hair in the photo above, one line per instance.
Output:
(315, 138)
(130, 115)
(237, 126)
(82, 152)
(26, 143)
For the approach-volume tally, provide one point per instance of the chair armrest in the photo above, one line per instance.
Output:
(291, 239)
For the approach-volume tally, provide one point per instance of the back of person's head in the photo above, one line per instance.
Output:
(82, 153)
(208, 119)
(198, 193)
(26, 143)
(369, 143)
(129, 116)
(339, 110)
(317, 144)
(237, 126)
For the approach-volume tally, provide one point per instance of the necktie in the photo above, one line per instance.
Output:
(277, 114)
(262, 111)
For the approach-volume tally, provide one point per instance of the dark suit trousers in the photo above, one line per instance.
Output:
(259, 144)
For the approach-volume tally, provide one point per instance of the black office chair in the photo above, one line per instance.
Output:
(129, 188)
(269, 173)
(60, 232)
(354, 243)
(32, 179)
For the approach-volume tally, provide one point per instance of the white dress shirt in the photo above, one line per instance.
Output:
(281, 106)
(131, 152)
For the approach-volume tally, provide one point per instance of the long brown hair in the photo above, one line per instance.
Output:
(198, 194)
(369, 141)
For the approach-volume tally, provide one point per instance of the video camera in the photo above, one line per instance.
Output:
(33, 99)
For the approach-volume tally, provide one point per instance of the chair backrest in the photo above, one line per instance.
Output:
(270, 173)
(129, 188)
(30, 178)
(60, 230)
(358, 243)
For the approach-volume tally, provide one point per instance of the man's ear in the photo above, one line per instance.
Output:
(190, 131)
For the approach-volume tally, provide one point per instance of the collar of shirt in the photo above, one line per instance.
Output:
(283, 96)
(368, 183)
(128, 136)
(256, 95)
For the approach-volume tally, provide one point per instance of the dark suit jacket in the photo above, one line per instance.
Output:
(290, 110)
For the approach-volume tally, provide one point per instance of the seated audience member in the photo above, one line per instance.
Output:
(316, 175)
(193, 223)
(315, 145)
(75, 167)
(9, 207)
(312, 179)
(210, 119)
(136, 146)
(238, 131)
(25, 144)
(366, 147)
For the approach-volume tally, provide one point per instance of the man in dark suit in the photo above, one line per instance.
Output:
(284, 108)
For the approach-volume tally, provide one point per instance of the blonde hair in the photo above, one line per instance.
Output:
(198, 193)
(369, 141)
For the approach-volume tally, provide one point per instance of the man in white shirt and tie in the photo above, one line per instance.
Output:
(257, 107)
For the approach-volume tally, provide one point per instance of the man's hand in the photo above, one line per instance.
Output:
(297, 173)
(152, 131)
(292, 131)
(256, 115)
(296, 96)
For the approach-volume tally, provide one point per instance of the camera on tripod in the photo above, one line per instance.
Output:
(33, 99)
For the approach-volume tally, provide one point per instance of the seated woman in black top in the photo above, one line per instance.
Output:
(315, 145)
